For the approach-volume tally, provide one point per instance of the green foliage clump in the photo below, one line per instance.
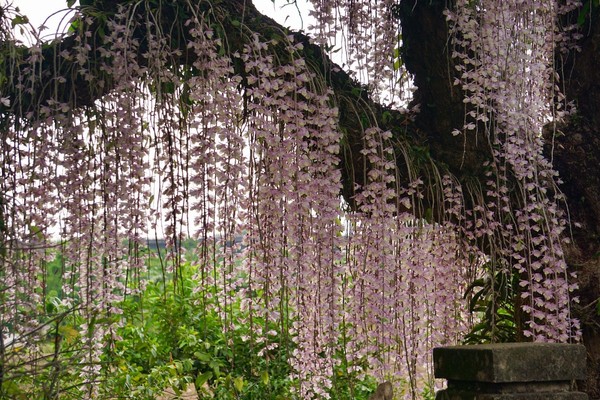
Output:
(172, 337)
(169, 336)
(492, 301)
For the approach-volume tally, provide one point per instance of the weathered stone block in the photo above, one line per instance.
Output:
(506, 371)
(446, 395)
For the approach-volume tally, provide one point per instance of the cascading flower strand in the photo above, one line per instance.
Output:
(505, 51)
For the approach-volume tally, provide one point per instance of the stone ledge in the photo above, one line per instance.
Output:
(450, 395)
(511, 362)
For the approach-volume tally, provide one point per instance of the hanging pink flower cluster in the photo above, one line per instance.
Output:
(80, 182)
(404, 278)
(217, 169)
(364, 36)
(291, 210)
(105, 186)
(505, 52)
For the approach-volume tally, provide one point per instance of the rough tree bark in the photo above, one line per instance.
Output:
(577, 158)
(425, 53)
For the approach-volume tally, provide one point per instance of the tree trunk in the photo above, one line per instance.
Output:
(577, 158)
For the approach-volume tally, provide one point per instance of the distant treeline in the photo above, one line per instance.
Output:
(161, 244)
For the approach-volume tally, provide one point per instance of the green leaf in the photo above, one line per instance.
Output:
(50, 307)
(11, 388)
(204, 357)
(70, 3)
(397, 64)
(36, 232)
(386, 117)
(238, 383)
(19, 20)
(583, 13)
(215, 367)
(264, 377)
(75, 25)
(167, 87)
(429, 215)
(202, 379)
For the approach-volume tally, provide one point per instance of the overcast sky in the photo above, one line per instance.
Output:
(50, 13)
